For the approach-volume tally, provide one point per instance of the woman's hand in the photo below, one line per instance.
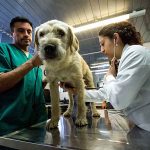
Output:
(44, 83)
(112, 68)
(68, 87)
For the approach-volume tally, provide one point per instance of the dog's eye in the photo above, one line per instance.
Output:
(61, 32)
(41, 34)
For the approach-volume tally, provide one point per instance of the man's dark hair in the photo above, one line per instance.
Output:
(19, 19)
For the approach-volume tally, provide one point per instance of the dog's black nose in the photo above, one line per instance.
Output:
(50, 47)
(50, 51)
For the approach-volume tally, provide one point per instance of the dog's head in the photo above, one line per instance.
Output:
(55, 40)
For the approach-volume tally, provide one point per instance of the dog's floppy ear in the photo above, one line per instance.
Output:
(36, 42)
(73, 41)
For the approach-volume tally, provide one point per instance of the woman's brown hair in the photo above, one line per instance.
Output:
(126, 31)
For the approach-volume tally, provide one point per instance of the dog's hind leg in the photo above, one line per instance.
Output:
(89, 83)
(70, 106)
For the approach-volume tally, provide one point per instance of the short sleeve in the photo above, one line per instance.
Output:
(5, 63)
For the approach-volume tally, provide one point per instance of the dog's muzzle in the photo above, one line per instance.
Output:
(50, 51)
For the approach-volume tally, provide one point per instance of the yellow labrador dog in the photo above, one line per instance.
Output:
(58, 48)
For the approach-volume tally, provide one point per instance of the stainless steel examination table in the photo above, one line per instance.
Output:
(109, 132)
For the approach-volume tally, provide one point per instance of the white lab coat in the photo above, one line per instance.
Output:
(130, 90)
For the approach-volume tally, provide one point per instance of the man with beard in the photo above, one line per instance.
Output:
(21, 94)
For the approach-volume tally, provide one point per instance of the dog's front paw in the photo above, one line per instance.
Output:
(81, 122)
(67, 114)
(51, 124)
(96, 114)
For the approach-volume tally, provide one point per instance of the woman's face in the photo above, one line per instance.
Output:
(107, 46)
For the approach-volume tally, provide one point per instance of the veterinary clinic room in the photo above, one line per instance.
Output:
(75, 74)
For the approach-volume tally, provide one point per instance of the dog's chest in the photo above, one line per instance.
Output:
(61, 75)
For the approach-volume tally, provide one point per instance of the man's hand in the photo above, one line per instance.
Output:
(11, 78)
(36, 61)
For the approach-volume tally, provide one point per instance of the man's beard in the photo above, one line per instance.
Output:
(25, 42)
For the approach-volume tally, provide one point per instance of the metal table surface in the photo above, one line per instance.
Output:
(109, 132)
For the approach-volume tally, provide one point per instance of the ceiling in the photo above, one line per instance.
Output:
(76, 13)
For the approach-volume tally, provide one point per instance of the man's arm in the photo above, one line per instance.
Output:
(10, 79)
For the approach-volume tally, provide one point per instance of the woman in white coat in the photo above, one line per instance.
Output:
(127, 90)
